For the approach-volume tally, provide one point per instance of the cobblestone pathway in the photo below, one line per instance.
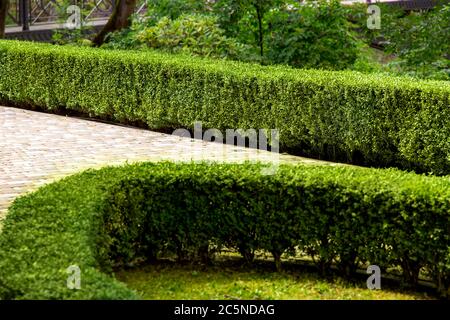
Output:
(36, 148)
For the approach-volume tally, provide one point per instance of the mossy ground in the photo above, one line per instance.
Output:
(231, 280)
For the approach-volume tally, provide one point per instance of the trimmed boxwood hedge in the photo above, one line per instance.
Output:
(344, 116)
(113, 216)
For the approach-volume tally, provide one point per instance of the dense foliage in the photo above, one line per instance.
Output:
(315, 34)
(419, 41)
(346, 116)
(422, 43)
(191, 34)
(305, 34)
(312, 34)
(99, 219)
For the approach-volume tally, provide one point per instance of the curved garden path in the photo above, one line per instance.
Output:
(37, 148)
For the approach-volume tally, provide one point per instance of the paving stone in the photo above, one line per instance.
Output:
(37, 148)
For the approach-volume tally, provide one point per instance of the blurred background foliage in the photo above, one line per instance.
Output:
(303, 34)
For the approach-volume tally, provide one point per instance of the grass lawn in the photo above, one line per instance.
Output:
(170, 281)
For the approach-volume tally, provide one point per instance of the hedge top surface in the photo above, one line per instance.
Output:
(233, 68)
(98, 218)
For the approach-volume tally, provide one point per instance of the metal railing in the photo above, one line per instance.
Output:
(27, 13)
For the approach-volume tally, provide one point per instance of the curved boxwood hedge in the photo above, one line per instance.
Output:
(345, 116)
(99, 219)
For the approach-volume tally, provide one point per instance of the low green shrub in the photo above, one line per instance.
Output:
(193, 34)
(57, 228)
(115, 216)
(343, 116)
(314, 34)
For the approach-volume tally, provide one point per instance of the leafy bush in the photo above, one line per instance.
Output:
(173, 9)
(312, 35)
(192, 34)
(316, 35)
(345, 116)
(422, 43)
(246, 20)
(370, 60)
(419, 40)
(99, 219)
(58, 228)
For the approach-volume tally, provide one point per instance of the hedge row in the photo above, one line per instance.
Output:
(344, 116)
(100, 219)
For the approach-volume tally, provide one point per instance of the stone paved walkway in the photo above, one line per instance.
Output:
(36, 148)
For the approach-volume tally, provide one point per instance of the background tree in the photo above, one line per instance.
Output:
(3, 14)
(232, 12)
(157, 9)
(119, 19)
(421, 43)
(314, 34)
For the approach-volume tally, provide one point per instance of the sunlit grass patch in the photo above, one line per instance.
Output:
(224, 281)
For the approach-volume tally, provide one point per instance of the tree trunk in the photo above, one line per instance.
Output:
(119, 19)
(259, 14)
(3, 14)
(277, 258)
